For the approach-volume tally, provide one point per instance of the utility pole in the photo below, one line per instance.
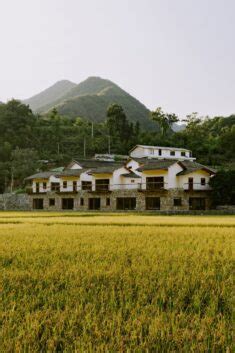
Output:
(109, 144)
(84, 147)
(92, 129)
(12, 180)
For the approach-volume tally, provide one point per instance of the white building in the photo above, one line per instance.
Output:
(152, 175)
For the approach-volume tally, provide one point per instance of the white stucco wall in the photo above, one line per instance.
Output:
(173, 180)
(153, 152)
(183, 180)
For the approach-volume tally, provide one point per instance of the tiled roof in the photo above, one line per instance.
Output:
(131, 175)
(190, 167)
(71, 172)
(108, 168)
(41, 175)
(153, 164)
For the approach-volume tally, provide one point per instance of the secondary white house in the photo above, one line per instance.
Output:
(141, 151)
(151, 178)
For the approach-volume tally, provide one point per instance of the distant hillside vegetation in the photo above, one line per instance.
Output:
(90, 99)
(51, 94)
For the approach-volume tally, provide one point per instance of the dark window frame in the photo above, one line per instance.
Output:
(67, 204)
(38, 204)
(203, 181)
(102, 184)
(51, 202)
(155, 183)
(55, 186)
(108, 201)
(152, 203)
(81, 201)
(86, 185)
(94, 203)
(126, 203)
(65, 184)
(177, 201)
(75, 185)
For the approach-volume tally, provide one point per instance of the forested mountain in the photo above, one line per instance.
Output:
(49, 95)
(89, 100)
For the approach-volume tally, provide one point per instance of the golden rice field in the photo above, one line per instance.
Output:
(73, 282)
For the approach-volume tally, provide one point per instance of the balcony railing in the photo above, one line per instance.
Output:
(196, 187)
(147, 187)
(153, 186)
(102, 188)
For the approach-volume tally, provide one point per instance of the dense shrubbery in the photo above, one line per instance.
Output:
(223, 185)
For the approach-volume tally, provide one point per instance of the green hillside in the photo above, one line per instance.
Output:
(49, 95)
(90, 99)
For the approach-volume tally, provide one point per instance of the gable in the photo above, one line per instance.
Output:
(74, 165)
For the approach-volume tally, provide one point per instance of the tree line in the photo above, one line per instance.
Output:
(30, 142)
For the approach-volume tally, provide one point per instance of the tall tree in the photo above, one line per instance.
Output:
(164, 120)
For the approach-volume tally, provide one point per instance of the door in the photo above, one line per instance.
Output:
(190, 184)
(38, 204)
(197, 203)
(74, 186)
(152, 203)
(94, 203)
(67, 204)
(126, 203)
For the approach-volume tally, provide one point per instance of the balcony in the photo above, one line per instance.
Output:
(102, 186)
(153, 186)
(196, 187)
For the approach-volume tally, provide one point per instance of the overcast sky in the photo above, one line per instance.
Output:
(177, 54)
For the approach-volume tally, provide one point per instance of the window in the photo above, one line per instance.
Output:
(38, 204)
(126, 203)
(65, 184)
(81, 201)
(203, 181)
(183, 154)
(37, 187)
(172, 153)
(87, 185)
(94, 203)
(154, 183)
(55, 186)
(178, 201)
(108, 201)
(152, 203)
(102, 184)
(160, 152)
(44, 185)
(132, 180)
(51, 202)
(67, 204)
(197, 203)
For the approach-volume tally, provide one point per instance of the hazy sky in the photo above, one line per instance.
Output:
(177, 54)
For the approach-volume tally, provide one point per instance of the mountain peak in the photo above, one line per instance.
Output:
(52, 93)
(89, 99)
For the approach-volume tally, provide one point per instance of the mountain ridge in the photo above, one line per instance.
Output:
(89, 99)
